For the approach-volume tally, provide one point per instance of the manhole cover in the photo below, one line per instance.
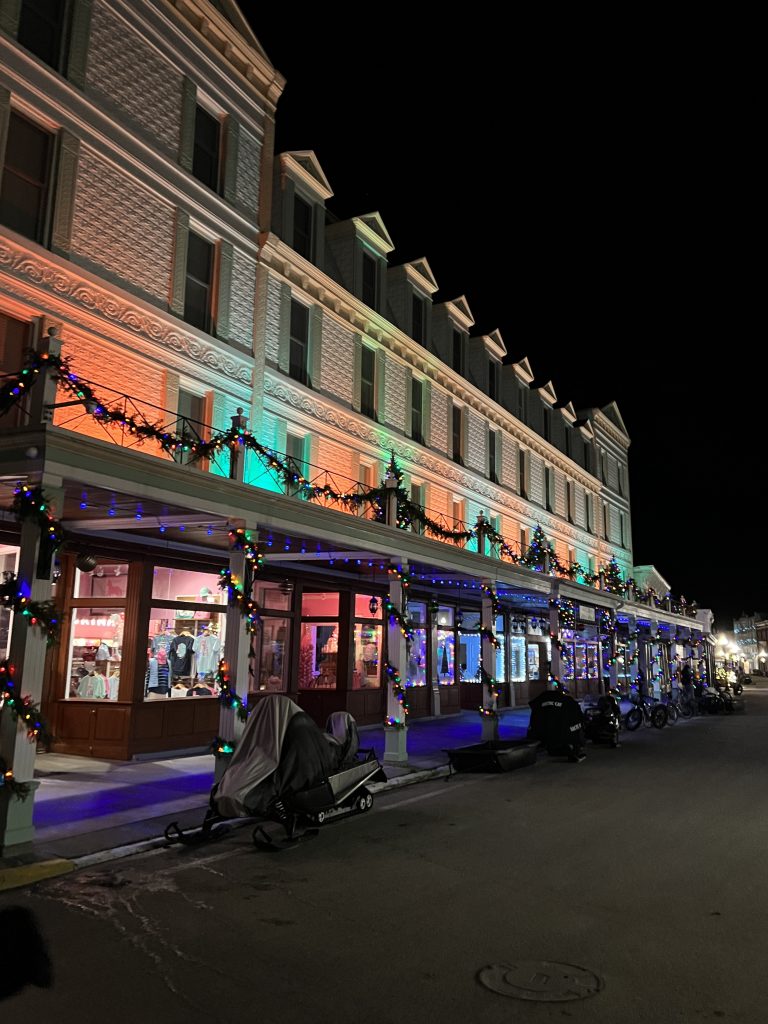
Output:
(541, 981)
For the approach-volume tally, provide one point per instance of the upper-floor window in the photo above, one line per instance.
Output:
(622, 530)
(417, 497)
(457, 352)
(458, 513)
(370, 281)
(42, 30)
(547, 424)
(24, 196)
(417, 410)
(588, 511)
(302, 227)
(198, 289)
(493, 469)
(521, 403)
(570, 500)
(493, 380)
(206, 158)
(458, 435)
(191, 421)
(368, 382)
(606, 521)
(622, 480)
(298, 361)
(549, 487)
(418, 319)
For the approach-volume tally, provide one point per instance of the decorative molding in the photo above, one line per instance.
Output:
(112, 307)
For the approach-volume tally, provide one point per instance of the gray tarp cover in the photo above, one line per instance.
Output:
(256, 756)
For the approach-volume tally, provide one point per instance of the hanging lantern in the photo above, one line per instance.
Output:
(459, 618)
(373, 605)
(433, 605)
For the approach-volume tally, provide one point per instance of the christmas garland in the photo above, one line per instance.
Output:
(23, 709)
(396, 617)
(32, 503)
(240, 540)
(39, 613)
(236, 598)
(228, 697)
(396, 681)
(488, 634)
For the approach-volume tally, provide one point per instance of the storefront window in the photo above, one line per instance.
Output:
(517, 659)
(365, 602)
(367, 670)
(184, 647)
(9, 560)
(500, 653)
(319, 605)
(108, 579)
(318, 655)
(533, 661)
(272, 663)
(469, 646)
(446, 642)
(417, 661)
(186, 585)
(275, 596)
(95, 653)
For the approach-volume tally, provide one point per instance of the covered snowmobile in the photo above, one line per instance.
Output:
(557, 723)
(286, 770)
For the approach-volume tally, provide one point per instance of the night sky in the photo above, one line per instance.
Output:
(598, 211)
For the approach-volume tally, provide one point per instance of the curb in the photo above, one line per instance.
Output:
(29, 874)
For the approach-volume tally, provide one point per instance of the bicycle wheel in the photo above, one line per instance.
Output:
(672, 714)
(686, 709)
(658, 716)
(633, 719)
(738, 689)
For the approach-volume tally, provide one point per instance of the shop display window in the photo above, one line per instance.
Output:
(446, 647)
(272, 661)
(417, 659)
(501, 661)
(184, 647)
(107, 579)
(318, 655)
(367, 669)
(533, 661)
(9, 561)
(317, 605)
(186, 585)
(95, 653)
(517, 659)
(470, 646)
(368, 606)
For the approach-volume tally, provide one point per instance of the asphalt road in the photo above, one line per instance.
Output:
(643, 864)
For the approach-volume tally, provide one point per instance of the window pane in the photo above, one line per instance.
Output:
(417, 660)
(418, 319)
(369, 280)
(272, 664)
(458, 362)
(366, 673)
(316, 605)
(95, 650)
(184, 648)
(302, 228)
(273, 595)
(187, 585)
(199, 258)
(363, 606)
(108, 579)
(205, 159)
(197, 303)
(318, 655)
(41, 25)
(445, 656)
(25, 178)
(297, 366)
(367, 382)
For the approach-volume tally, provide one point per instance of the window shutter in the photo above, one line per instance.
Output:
(230, 159)
(224, 293)
(284, 345)
(10, 13)
(188, 111)
(5, 116)
(315, 345)
(66, 181)
(180, 263)
(79, 35)
(358, 362)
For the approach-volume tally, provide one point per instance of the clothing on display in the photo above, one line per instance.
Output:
(180, 653)
(157, 678)
(93, 686)
(162, 642)
(207, 653)
(103, 652)
(113, 685)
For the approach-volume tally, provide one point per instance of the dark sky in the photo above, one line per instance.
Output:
(597, 204)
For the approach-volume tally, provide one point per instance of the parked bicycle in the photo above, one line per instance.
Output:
(647, 711)
(677, 707)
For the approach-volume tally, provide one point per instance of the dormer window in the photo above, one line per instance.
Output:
(302, 227)
(457, 353)
(418, 320)
(370, 281)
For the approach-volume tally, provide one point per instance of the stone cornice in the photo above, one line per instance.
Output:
(438, 467)
(610, 429)
(352, 313)
(54, 287)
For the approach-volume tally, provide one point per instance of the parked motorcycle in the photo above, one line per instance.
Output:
(602, 721)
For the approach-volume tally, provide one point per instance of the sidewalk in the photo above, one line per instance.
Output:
(86, 806)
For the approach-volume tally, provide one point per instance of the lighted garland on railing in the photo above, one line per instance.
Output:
(228, 697)
(38, 613)
(396, 682)
(237, 598)
(407, 510)
(23, 709)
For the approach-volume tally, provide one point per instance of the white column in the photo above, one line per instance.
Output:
(556, 660)
(396, 733)
(490, 715)
(27, 651)
(237, 643)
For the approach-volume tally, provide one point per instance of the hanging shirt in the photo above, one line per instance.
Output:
(162, 642)
(180, 653)
(156, 678)
(208, 653)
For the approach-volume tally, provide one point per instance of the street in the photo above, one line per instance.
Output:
(641, 865)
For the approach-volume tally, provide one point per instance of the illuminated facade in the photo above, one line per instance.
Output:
(197, 283)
